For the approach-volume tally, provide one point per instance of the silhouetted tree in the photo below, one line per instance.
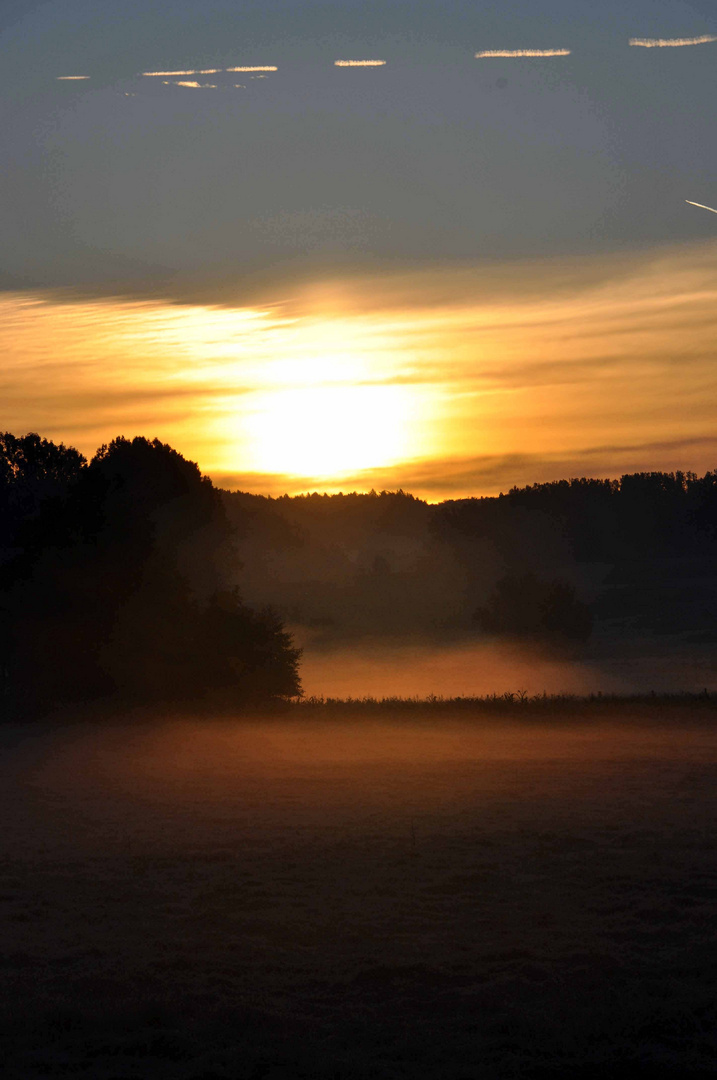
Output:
(245, 652)
(116, 589)
(32, 471)
(524, 606)
(37, 466)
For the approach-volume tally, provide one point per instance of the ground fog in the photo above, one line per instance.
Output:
(471, 668)
(380, 898)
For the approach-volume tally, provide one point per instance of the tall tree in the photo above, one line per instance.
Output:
(118, 589)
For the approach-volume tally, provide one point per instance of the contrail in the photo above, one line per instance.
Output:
(701, 206)
(206, 71)
(671, 43)
(521, 52)
(151, 74)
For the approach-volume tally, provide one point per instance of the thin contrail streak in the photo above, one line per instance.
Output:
(701, 206)
(152, 74)
(672, 43)
(520, 52)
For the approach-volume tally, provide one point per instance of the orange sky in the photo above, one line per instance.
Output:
(447, 383)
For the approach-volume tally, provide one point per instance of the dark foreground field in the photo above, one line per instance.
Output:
(399, 897)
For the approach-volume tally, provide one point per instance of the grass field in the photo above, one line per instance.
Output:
(374, 892)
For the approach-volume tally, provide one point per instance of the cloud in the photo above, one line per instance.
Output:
(359, 63)
(71, 78)
(193, 85)
(671, 43)
(255, 67)
(509, 53)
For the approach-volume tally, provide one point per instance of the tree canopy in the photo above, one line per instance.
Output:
(112, 584)
(526, 606)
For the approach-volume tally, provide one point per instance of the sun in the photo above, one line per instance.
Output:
(329, 431)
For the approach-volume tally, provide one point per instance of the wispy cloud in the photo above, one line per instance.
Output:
(193, 85)
(701, 206)
(489, 474)
(71, 78)
(672, 43)
(254, 67)
(359, 63)
(509, 53)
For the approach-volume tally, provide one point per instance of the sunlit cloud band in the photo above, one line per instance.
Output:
(464, 382)
(359, 63)
(71, 78)
(256, 67)
(672, 43)
(491, 53)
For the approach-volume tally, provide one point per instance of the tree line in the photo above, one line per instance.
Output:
(547, 561)
(641, 515)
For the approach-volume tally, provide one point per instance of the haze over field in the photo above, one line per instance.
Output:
(479, 669)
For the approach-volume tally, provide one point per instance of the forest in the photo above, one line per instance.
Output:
(132, 577)
(562, 562)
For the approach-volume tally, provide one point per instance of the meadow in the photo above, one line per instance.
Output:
(362, 889)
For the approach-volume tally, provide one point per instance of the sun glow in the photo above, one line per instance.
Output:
(329, 431)
(463, 382)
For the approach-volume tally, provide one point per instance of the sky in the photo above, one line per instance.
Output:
(444, 270)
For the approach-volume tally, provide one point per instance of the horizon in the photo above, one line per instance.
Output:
(378, 492)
